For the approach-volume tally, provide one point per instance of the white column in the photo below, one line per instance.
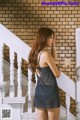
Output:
(78, 93)
(1, 72)
(78, 73)
(11, 73)
(1, 62)
(19, 77)
(29, 90)
(67, 107)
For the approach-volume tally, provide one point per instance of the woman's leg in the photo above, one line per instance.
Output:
(41, 114)
(53, 114)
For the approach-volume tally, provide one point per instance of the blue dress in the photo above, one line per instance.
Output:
(46, 91)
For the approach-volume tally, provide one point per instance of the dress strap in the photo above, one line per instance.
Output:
(38, 60)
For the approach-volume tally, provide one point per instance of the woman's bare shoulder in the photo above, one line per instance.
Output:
(45, 54)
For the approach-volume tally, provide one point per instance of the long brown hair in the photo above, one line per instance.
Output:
(41, 41)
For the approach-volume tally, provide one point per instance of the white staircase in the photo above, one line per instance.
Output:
(30, 115)
(16, 81)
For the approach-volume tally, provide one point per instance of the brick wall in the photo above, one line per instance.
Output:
(25, 17)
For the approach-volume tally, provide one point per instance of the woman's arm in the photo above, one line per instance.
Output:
(50, 61)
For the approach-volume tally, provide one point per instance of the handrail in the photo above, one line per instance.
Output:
(15, 43)
(67, 85)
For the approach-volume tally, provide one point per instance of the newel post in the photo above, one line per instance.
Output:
(78, 93)
(1, 72)
(78, 73)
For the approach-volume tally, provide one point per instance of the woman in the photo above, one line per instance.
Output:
(42, 61)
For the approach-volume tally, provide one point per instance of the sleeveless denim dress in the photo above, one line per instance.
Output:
(46, 91)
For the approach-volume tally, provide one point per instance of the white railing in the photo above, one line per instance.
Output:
(15, 46)
(22, 50)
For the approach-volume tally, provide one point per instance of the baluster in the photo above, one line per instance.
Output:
(29, 84)
(1, 71)
(11, 73)
(19, 73)
(29, 90)
(67, 106)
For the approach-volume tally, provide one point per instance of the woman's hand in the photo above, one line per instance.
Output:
(59, 67)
